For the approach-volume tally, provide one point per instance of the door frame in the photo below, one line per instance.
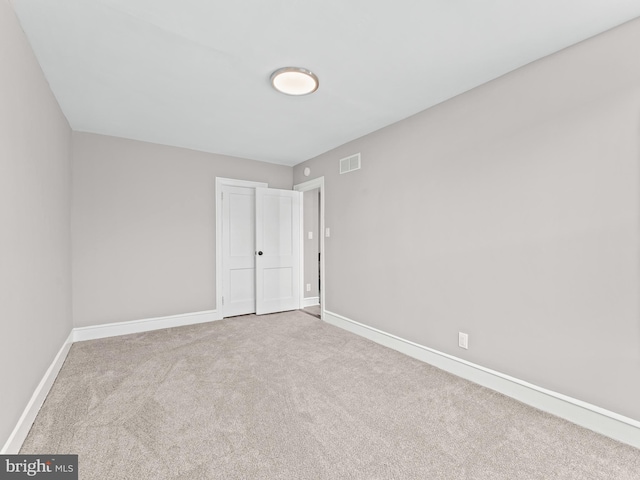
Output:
(303, 187)
(220, 182)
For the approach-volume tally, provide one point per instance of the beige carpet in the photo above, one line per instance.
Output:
(286, 396)
(315, 311)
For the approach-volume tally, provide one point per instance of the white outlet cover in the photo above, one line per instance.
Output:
(463, 340)
(327, 232)
(308, 287)
(310, 236)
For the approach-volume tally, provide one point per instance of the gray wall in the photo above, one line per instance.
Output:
(311, 246)
(511, 213)
(35, 175)
(144, 226)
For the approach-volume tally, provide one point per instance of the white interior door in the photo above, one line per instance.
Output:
(277, 250)
(238, 250)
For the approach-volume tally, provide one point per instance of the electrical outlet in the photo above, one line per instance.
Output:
(310, 236)
(463, 340)
(308, 287)
(327, 232)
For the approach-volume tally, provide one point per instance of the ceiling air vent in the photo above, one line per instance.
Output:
(349, 164)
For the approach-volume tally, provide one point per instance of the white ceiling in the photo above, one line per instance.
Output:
(195, 73)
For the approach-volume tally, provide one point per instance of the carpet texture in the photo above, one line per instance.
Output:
(286, 396)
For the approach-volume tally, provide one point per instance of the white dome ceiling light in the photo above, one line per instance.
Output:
(294, 81)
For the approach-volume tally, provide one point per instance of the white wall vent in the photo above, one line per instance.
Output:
(349, 164)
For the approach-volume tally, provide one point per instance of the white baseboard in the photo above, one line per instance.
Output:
(310, 302)
(137, 326)
(21, 430)
(605, 422)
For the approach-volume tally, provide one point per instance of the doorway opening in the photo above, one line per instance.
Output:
(313, 278)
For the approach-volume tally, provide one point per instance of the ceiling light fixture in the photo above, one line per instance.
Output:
(294, 81)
